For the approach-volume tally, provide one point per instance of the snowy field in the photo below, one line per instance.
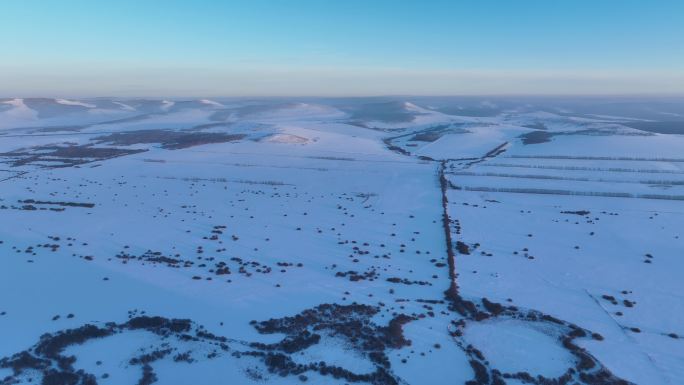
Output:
(377, 240)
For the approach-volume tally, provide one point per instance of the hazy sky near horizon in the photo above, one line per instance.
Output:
(345, 47)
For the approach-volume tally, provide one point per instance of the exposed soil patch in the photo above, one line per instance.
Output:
(536, 137)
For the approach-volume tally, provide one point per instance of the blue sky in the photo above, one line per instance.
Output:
(350, 47)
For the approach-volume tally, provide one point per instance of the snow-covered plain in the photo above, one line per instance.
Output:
(381, 241)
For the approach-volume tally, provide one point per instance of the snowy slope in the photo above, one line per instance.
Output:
(336, 241)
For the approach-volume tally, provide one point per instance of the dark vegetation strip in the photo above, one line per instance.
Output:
(595, 158)
(498, 150)
(556, 177)
(579, 168)
(15, 174)
(451, 257)
(572, 193)
(57, 203)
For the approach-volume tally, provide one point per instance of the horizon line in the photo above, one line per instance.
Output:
(360, 96)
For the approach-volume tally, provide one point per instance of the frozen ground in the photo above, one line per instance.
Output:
(380, 241)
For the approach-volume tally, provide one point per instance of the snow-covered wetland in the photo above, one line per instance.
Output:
(377, 240)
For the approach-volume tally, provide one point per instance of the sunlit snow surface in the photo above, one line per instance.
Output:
(377, 240)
